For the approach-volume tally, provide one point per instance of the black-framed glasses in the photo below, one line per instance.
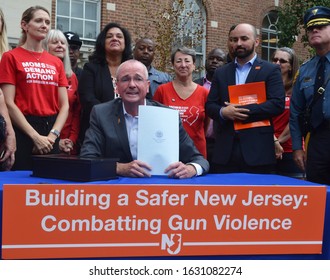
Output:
(74, 47)
(281, 60)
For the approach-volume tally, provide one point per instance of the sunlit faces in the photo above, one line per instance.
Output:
(114, 40)
(283, 59)
(38, 26)
(57, 48)
(183, 64)
(132, 81)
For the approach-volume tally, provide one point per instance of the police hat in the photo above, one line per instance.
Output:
(73, 38)
(317, 16)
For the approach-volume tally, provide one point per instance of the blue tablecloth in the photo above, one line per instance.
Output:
(24, 177)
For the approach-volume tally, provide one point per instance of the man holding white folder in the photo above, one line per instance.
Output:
(114, 124)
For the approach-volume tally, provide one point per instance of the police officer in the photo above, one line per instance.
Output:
(312, 80)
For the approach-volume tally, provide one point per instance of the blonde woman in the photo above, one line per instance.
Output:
(3, 35)
(34, 85)
(56, 44)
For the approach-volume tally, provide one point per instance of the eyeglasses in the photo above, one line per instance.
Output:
(127, 80)
(281, 60)
(74, 47)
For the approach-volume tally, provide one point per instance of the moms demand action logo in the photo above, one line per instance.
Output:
(171, 243)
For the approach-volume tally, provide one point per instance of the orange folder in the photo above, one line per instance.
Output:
(251, 93)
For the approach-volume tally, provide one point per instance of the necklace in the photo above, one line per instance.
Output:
(36, 57)
(33, 53)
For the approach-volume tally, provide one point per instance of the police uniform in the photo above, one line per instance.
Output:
(318, 145)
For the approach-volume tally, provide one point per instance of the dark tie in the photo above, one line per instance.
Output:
(317, 110)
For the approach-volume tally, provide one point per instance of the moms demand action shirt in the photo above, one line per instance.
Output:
(36, 77)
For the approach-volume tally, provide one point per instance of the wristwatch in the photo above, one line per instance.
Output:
(55, 132)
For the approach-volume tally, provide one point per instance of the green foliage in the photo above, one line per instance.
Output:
(171, 25)
(291, 20)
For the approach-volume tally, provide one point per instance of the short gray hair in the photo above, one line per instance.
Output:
(186, 51)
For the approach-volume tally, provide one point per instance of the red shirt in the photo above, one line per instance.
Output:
(72, 125)
(280, 122)
(192, 111)
(36, 77)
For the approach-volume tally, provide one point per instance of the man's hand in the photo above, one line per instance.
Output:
(234, 112)
(135, 168)
(299, 157)
(180, 170)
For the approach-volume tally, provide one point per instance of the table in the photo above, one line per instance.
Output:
(24, 177)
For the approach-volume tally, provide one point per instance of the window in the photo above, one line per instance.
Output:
(269, 41)
(79, 16)
(192, 31)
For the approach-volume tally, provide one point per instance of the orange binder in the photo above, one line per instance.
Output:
(244, 94)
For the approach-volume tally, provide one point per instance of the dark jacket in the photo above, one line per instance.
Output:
(107, 136)
(257, 144)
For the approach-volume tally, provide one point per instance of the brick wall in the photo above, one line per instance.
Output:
(136, 18)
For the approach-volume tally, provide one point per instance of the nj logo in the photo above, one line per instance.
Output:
(171, 243)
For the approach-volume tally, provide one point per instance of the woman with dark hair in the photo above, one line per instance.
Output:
(185, 95)
(34, 86)
(288, 62)
(98, 82)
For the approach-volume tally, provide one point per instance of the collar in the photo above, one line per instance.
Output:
(127, 114)
(250, 62)
(206, 83)
(151, 70)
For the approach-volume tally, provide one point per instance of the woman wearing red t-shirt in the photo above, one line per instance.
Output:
(288, 62)
(34, 85)
(186, 96)
(57, 45)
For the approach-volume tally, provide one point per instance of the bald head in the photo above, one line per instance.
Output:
(244, 42)
(132, 64)
(132, 85)
(144, 51)
(247, 28)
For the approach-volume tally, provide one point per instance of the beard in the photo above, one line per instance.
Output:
(243, 52)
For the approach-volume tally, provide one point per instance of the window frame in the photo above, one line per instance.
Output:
(86, 40)
(200, 55)
(270, 32)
